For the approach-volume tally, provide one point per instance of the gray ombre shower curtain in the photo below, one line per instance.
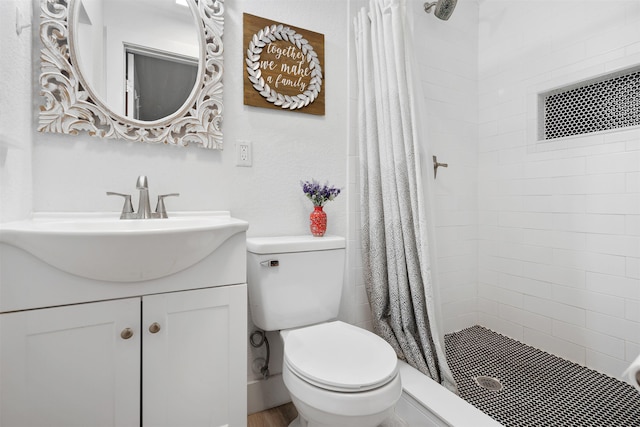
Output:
(394, 236)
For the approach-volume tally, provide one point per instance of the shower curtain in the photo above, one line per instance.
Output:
(393, 212)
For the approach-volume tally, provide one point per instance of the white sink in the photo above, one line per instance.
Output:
(103, 247)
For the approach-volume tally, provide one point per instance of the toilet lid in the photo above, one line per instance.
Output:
(341, 357)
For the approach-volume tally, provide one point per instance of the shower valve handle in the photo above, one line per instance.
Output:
(437, 165)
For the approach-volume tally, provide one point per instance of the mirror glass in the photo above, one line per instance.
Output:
(139, 58)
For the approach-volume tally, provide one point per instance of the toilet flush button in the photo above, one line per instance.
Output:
(270, 263)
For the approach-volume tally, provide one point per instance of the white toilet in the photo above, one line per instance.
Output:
(337, 374)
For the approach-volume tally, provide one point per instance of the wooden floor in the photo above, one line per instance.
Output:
(280, 416)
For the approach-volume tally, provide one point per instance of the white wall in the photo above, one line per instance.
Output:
(447, 55)
(15, 112)
(52, 172)
(559, 263)
(72, 173)
(287, 147)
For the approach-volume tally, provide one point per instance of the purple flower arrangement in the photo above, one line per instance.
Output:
(319, 194)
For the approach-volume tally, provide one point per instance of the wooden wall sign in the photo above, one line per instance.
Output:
(283, 66)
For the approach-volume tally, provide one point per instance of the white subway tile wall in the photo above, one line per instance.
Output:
(537, 241)
(559, 222)
(446, 56)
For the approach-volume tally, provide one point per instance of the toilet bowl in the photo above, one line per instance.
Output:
(337, 374)
(340, 375)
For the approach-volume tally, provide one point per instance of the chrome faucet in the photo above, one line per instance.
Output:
(144, 208)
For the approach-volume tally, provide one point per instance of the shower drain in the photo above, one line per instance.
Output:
(489, 383)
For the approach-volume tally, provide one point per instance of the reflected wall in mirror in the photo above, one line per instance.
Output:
(95, 67)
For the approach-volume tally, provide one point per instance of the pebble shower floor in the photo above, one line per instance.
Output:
(538, 389)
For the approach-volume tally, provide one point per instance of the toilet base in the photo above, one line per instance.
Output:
(325, 408)
(298, 422)
(309, 416)
(393, 421)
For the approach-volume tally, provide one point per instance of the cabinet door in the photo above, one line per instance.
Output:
(194, 366)
(69, 366)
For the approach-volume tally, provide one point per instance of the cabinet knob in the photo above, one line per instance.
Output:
(126, 333)
(154, 328)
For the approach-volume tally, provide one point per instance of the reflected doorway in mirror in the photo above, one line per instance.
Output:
(147, 70)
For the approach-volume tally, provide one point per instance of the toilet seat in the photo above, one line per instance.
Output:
(340, 357)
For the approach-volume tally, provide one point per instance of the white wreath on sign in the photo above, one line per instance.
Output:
(279, 32)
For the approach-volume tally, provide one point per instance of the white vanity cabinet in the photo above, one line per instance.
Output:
(68, 366)
(117, 323)
(170, 359)
(194, 367)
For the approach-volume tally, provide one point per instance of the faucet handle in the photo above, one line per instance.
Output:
(127, 208)
(161, 211)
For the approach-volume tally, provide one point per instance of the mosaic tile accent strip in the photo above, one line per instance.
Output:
(609, 102)
(538, 389)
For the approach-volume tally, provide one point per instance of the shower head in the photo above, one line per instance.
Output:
(444, 8)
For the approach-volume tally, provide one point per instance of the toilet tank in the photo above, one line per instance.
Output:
(294, 281)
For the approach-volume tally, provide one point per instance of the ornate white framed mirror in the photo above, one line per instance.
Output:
(138, 70)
